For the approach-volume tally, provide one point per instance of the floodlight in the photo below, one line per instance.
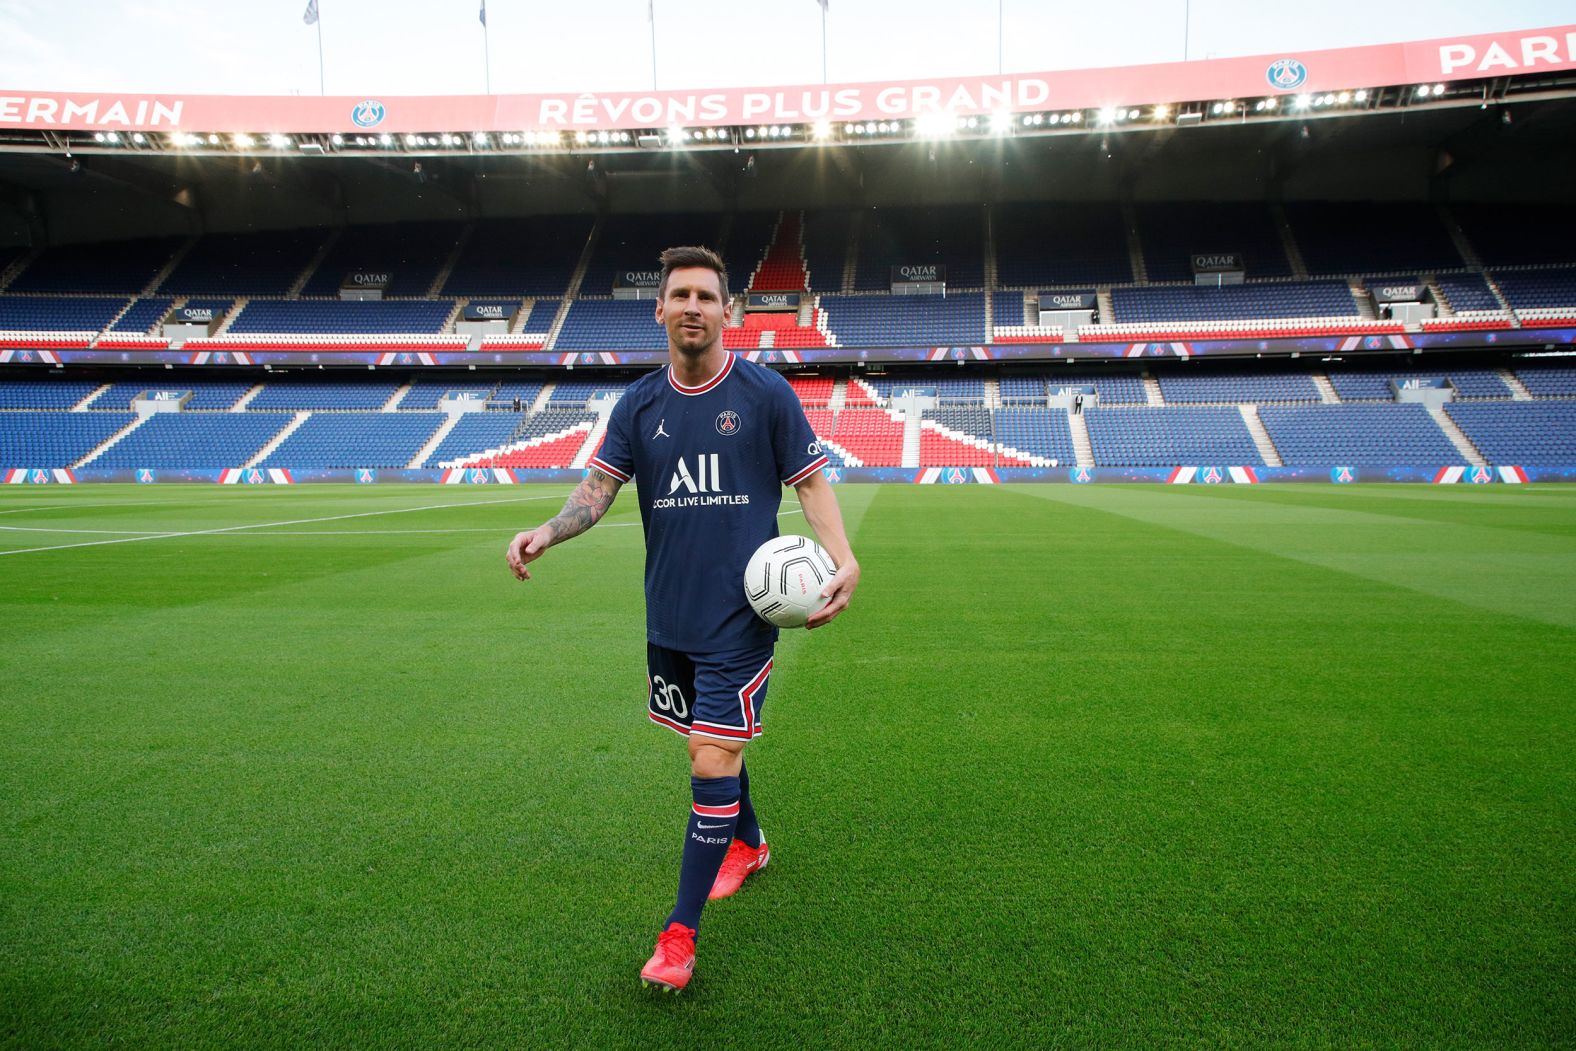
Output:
(1160, 112)
(1108, 114)
(136, 136)
(479, 138)
(213, 140)
(1360, 95)
(413, 140)
(1439, 89)
(935, 125)
(675, 134)
(386, 139)
(1272, 103)
(1302, 102)
(1421, 91)
(241, 139)
(1344, 97)
(823, 129)
(278, 141)
(338, 140)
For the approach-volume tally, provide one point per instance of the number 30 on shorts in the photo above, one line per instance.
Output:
(668, 698)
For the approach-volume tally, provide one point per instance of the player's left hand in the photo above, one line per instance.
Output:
(838, 591)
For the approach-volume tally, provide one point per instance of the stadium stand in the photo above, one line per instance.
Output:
(425, 393)
(749, 238)
(1172, 233)
(1280, 299)
(123, 267)
(1160, 437)
(1530, 290)
(1090, 245)
(1113, 388)
(54, 439)
(256, 264)
(1022, 390)
(1466, 293)
(356, 439)
(410, 253)
(348, 395)
(1377, 385)
(574, 394)
(194, 440)
(858, 321)
(813, 390)
(58, 313)
(508, 390)
(205, 393)
(332, 317)
(782, 267)
(611, 324)
(1357, 435)
(519, 257)
(474, 434)
(551, 438)
(633, 242)
(950, 237)
(1548, 382)
(1037, 432)
(870, 437)
(143, 314)
(1354, 238)
(1520, 433)
(1237, 387)
(543, 313)
(40, 393)
(826, 236)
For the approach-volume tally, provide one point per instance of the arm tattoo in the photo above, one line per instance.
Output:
(588, 503)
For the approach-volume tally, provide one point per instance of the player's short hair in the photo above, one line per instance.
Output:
(692, 255)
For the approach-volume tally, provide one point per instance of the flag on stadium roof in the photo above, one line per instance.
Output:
(309, 16)
(482, 14)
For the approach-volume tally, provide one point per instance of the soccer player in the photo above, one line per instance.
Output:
(710, 441)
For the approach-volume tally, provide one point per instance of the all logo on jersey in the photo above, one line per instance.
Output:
(702, 484)
(683, 477)
(727, 422)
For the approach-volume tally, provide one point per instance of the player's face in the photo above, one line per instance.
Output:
(692, 310)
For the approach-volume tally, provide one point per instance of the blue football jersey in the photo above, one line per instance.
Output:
(709, 463)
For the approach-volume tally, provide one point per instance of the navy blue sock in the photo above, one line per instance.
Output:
(706, 839)
(748, 829)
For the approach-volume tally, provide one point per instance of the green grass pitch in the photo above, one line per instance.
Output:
(1083, 766)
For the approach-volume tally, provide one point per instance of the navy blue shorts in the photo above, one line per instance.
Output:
(710, 694)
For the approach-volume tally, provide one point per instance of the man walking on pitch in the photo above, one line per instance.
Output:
(710, 441)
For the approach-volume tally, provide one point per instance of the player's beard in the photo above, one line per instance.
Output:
(694, 345)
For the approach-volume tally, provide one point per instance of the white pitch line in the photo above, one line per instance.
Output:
(258, 530)
(274, 525)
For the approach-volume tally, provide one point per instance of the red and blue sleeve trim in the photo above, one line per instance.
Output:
(814, 466)
(607, 468)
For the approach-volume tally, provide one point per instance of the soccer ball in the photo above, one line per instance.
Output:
(784, 580)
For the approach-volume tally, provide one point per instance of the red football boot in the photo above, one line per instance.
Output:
(740, 862)
(670, 967)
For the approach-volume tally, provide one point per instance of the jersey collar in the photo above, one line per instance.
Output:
(722, 374)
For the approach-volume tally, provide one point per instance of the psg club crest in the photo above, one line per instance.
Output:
(1341, 475)
(727, 422)
(1081, 476)
(145, 476)
(1211, 476)
(369, 113)
(1286, 74)
(366, 476)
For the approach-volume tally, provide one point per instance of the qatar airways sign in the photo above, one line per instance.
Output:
(1452, 58)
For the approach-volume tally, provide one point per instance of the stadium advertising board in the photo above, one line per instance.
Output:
(1444, 59)
(1068, 300)
(772, 301)
(1399, 292)
(488, 312)
(1216, 262)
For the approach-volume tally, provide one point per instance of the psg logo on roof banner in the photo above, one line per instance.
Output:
(368, 113)
(1286, 74)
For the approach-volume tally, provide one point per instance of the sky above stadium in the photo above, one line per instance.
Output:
(439, 47)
